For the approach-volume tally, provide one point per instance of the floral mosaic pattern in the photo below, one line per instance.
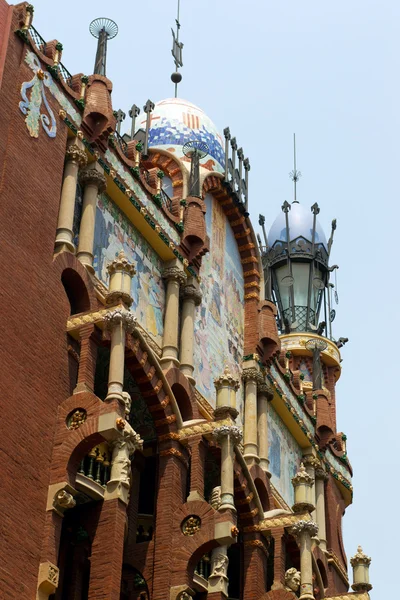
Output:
(114, 232)
(284, 456)
(32, 106)
(219, 323)
(142, 197)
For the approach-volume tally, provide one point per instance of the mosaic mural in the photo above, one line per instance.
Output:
(175, 121)
(31, 107)
(113, 232)
(284, 456)
(219, 323)
(142, 197)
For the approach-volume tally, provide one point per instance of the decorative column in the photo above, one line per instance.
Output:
(303, 491)
(252, 377)
(191, 298)
(360, 563)
(121, 272)
(226, 387)
(118, 321)
(265, 395)
(93, 182)
(75, 158)
(320, 478)
(312, 463)
(304, 531)
(175, 277)
(218, 580)
(228, 436)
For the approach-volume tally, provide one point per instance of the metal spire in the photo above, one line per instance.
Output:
(295, 174)
(104, 30)
(176, 51)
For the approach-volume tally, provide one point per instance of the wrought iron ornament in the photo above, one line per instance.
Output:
(103, 29)
(176, 52)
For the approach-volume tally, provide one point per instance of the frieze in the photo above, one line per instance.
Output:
(203, 428)
(282, 521)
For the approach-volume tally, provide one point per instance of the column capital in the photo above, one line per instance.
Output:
(174, 273)
(321, 474)
(120, 316)
(301, 527)
(224, 431)
(252, 374)
(93, 177)
(191, 292)
(309, 460)
(76, 155)
(265, 389)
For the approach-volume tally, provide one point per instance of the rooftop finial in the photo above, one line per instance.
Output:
(176, 51)
(102, 29)
(295, 174)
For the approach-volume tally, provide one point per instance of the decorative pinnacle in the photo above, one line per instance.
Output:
(121, 263)
(360, 558)
(226, 379)
(302, 476)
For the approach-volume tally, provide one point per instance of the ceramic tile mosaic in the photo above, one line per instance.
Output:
(175, 121)
(291, 397)
(284, 456)
(219, 322)
(142, 196)
(114, 232)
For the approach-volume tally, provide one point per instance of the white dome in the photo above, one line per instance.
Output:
(301, 221)
(175, 121)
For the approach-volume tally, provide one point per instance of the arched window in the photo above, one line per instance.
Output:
(76, 291)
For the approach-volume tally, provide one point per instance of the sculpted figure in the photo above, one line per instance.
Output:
(124, 447)
(219, 565)
(215, 499)
(292, 580)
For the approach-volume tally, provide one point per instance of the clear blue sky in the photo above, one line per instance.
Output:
(328, 71)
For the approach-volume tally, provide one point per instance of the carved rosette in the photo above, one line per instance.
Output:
(226, 380)
(121, 263)
(191, 525)
(120, 316)
(191, 292)
(252, 374)
(93, 177)
(76, 418)
(305, 527)
(76, 156)
(174, 274)
(232, 431)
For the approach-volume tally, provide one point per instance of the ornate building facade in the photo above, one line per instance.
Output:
(169, 422)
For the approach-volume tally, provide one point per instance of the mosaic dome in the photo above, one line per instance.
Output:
(301, 221)
(175, 121)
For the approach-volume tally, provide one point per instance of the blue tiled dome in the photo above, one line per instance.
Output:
(300, 224)
(175, 121)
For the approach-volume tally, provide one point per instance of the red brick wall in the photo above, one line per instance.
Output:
(33, 352)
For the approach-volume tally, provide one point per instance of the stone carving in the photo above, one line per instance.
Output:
(190, 292)
(305, 527)
(252, 374)
(174, 273)
(184, 596)
(226, 380)
(265, 389)
(228, 430)
(118, 316)
(123, 448)
(77, 418)
(311, 461)
(321, 474)
(292, 580)
(219, 565)
(302, 476)
(75, 155)
(360, 558)
(64, 500)
(191, 525)
(215, 499)
(121, 263)
(93, 177)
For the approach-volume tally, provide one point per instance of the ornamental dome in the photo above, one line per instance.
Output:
(301, 221)
(175, 121)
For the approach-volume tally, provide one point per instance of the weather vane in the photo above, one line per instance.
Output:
(295, 174)
(176, 51)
